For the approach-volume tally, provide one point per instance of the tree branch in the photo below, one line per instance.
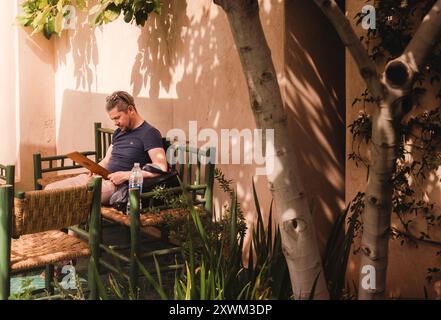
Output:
(347, 35)
(427, 35)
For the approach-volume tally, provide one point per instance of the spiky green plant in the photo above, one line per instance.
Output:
(215, 267)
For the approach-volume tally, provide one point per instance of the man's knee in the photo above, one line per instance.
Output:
(108, 188)
(76, 181)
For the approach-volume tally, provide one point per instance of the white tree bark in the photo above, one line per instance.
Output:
(297, 228)
(390, 91)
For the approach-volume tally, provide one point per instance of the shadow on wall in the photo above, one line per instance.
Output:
(82, 44)
(315, 69)
(211, 90)
(179, 56)
(208, 81)
(203, 71)
(80, 110)
(153, 66)
(188, 55)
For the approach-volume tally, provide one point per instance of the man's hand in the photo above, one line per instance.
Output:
(119, 177)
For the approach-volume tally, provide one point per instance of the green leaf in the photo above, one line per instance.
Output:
(314, 285)
(60, 6)
(158, 7)
(41, 18)
(141, 18)
(128, 16)
(111, 13)
(96, 9)
(58, 26)
(203, 279)
(101, 289)
(23, 20)
(158, 270)
(82, 4)
(152, 281)
(233, 230)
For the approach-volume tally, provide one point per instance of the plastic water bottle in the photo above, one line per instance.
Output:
(135, 181)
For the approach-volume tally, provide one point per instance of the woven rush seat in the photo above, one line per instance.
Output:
(47, 180)
(40, 249)
(146, 219)
(30, 235)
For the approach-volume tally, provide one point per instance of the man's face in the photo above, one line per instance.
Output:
(121, 119)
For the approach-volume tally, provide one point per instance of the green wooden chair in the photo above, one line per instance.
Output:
(198, 179)
(7, 174)
(30, 238)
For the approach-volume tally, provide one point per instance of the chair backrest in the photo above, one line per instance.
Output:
(189, 159)
(195, 166)
(103, 140)
(7, 174)
(43, 210)
(189, 162)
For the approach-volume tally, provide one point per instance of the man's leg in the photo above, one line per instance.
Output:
(80, 180)
(107, 188)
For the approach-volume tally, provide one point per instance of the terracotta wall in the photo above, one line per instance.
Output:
(183, 66)
(206, 77)
(180, 67)
(28, 88)
(315, 99)
(407, 265)
(8, 150)
(92, 63)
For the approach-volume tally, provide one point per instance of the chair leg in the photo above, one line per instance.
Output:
(6, 198)
(5, 283)
(49, 279)
(134, 238)
(95, 234)
(92, 282)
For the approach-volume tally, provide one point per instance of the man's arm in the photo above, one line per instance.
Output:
(158, 158)
(157, 155)
(105, 162)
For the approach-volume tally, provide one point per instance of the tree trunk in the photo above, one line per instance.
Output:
(297, 228)
(391, 92)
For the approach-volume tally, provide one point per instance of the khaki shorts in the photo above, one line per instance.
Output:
(108, 188)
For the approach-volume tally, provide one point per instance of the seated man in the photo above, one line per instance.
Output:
(133, 141)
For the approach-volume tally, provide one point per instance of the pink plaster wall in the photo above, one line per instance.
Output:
(29, 93)
(8, 151)
(315, 100)
(183, 66)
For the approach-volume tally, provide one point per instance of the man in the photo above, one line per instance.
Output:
(133, 141)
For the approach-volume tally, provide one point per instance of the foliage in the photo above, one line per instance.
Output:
(419, 153)
(136, 11)
(46, 16)
(25, 292)
(214, 266)
(338, 248)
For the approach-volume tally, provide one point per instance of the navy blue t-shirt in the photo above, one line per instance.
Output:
(131, 146)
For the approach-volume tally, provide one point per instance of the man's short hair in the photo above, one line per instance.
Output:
(121, 100)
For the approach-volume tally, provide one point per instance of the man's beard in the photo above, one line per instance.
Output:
(128, 127)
